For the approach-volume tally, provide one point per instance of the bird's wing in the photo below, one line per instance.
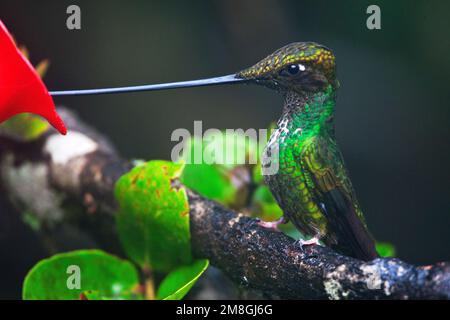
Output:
(332, 189)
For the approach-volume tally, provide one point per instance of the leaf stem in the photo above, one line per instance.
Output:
(149, 284)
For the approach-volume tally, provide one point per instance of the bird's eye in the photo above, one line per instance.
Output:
(292, 70)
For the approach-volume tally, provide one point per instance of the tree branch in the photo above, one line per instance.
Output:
(46, 175)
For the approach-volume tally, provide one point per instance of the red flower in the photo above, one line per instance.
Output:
(21, 88)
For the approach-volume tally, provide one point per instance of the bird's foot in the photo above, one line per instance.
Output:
(272, 225)
(314, 241)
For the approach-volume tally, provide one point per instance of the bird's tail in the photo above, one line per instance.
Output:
(352, 236)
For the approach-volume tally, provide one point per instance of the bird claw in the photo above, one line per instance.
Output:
(311, 242)
(272, 225)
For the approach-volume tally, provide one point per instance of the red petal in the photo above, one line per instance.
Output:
(21, 88)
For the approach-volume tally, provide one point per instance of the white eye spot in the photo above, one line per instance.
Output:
(301, 67)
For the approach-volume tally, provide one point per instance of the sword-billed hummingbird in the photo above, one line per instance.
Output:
(311, 185)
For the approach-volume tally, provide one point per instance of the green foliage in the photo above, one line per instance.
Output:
(210, 181)
(153, 226)
(385, 249)
(105, 274)
(218, 155)
(24, 127)
(153, 219)
(265, 205)
(177, 283)
(257, 174)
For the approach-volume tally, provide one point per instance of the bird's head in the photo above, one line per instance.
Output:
(299, 66)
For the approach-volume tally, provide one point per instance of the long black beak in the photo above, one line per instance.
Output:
(230, 79)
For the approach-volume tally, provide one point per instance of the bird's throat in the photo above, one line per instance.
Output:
(308, 113)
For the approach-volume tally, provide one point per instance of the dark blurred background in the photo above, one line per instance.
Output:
(393, 114)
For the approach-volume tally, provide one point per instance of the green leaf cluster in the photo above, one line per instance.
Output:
(214, 164)
(153, 227)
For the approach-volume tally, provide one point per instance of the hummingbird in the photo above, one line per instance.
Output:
(311, 183)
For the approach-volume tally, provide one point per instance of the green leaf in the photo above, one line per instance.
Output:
(24, 127)
(257, 174)
(264, 205)
(153, 219)
(98, 271)
(209, 181)
(212, 165)
(385, 249)
(178, 283)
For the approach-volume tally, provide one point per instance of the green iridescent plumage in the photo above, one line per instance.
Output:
(311, 184)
